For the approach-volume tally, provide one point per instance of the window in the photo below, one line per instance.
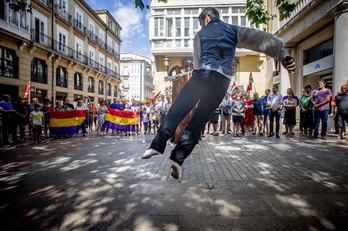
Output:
(158, 44)
(159, 30)
(78, 21)
(115, 91)
(187, 27)
(169, 43)
(8, 63)
(174, 12)
(91, 84)
(186, 43)
(235, 20)
(177, 43)
(195, 26)
(23, 20)
(169, 27)
(62, 77)
(243, 20)
(62, 42)
(191, 11)
(100, 87)
(222, 10)
(38, 71)
(178, 27)
(110, 24)
(91, 58)
(108, 89)
(78, 51)
(225, 19)
(78, 84)
(319, 51)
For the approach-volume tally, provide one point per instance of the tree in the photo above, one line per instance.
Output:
(255, 9)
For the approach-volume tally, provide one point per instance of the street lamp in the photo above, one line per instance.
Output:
(148, 68)
(166, 63)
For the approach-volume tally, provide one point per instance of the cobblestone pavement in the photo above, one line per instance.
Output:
(247, 183)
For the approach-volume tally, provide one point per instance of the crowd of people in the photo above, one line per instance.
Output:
(33, 118)
(238, 115)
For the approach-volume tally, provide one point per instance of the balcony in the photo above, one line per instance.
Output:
(45, 2)
(116, 54)
(13, 20)
(79, 26)
(3, 16)
(109, 49)
(101, 43)
(61, 12)
(92, 36)
(78, 87)
(63, 49)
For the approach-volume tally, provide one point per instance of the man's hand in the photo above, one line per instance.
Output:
(289, 64)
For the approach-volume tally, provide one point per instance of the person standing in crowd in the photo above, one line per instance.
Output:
(290, 105)
(321, 105)
(248, 120)
(259, 104)
(37, 121)
(342, 109)
(148, 108)
(226, 114)
(20, 118)
(275, 102)
(214, 120)
(214, 51)
(101, 117)
(86, 103)
(163, 107)
(238, 109)
(306, 115)
(137, 108)
(145, 119)
(116, 104)
(84, 125)
(93, 114)
(46, 109)
(155, 116)
(289, 90)
(8, 119)
(67, 102)
(266, 111)
(58, 106)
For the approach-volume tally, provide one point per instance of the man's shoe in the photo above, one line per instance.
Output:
(149, 153)
(261, 134)
(270, 135)
(284, 133)
(216, 134)
(323, 137)
(176, 170)
(277, 136)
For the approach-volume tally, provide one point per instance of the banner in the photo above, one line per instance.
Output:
(152, 99)
(67, 122)
(234, 90)
(251, 80)
(27, 91)
(121, 120)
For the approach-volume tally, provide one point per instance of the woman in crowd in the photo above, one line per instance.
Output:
(46, 109)
(101, 117)
(93, 116)
(290, 105)
(248, 120)
(306, 115)
(238, 109)
(80, 106)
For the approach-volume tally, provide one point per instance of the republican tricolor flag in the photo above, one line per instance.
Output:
(251, 80)
(234, 90)
(67, 122)
(121, 120)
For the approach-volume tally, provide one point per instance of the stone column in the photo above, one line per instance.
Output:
(340, 70)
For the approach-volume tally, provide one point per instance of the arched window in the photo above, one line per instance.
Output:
(8, 63)
(115, 91)
(38, 71)
(100, 87)
(78, 84)
(62, 77)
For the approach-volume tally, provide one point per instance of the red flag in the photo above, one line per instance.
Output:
(234, 90)
(152, 99)
(27, 91)
(251, 80)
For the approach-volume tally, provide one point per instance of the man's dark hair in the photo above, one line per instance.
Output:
(212, 12)
(37, 105)
(275, 85)
(308, 86)
(322, 81)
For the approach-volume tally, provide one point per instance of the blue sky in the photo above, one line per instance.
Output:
(134, 23)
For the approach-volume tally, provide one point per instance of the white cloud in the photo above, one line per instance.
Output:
(130, 18)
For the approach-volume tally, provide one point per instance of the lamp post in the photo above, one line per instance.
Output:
(166, 63)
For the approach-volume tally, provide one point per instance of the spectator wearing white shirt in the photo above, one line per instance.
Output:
(275, 101)
(163, 107)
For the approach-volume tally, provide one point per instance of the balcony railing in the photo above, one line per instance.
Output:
(78, 87)
(91, 89)
(61, 12)
(101, 91)
(101, 43)
(38, 78)
(78, 25)
(23, 26)
(45, 2)
(3, 16)
(300, 5)
(63, 49)
(13, 20)
(92, 36)
(116, 54)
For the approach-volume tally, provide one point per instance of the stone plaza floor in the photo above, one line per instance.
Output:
(248, 183)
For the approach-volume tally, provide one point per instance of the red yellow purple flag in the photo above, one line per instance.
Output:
(121, 120)
(67, 122)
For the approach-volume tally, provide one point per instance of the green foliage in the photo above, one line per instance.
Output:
(19, 5)
(141, 5)
(257, 14)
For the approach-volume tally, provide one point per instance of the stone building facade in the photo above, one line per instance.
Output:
(64, 48)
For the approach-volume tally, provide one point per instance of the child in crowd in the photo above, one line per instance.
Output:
(37, 120)
(145, 119)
